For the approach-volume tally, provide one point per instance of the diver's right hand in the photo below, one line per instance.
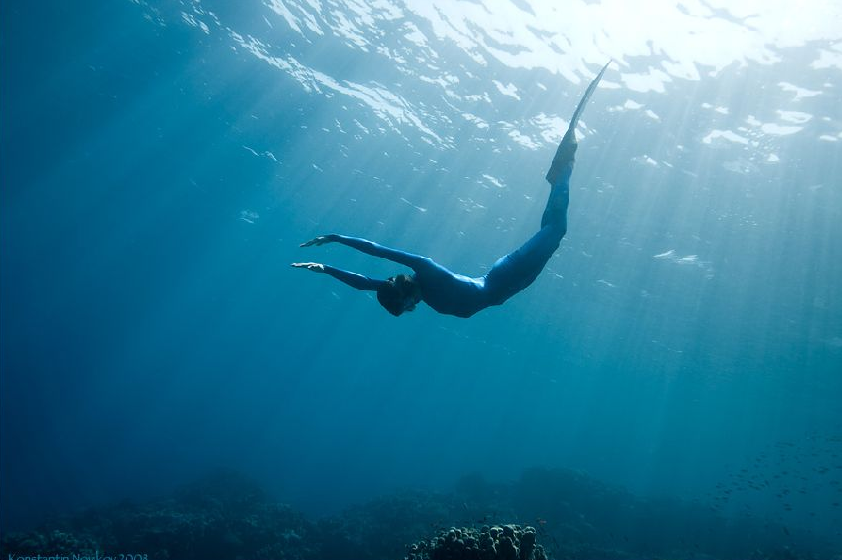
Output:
(320, 240)
(315, 267)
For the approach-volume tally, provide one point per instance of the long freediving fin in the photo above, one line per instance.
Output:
(567, 147)
(588, 92)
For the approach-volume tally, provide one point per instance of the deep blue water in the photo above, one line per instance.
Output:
(161, 162)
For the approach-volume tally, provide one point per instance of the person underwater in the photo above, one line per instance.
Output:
(455, 294)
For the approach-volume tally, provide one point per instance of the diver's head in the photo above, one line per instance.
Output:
(399, 294)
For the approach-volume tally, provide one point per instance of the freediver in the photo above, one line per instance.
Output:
(455, 294)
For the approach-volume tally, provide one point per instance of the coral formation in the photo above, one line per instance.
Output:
(509, 542)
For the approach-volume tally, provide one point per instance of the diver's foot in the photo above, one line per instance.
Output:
(567, 149)
(564, 156)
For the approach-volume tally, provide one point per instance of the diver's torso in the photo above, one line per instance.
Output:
(451, 293)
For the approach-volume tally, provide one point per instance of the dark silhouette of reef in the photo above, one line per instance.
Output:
(557, 514)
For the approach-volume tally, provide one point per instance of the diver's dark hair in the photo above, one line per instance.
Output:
(393, 293)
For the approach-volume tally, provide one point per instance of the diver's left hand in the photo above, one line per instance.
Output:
(315, 267)
(320, 240)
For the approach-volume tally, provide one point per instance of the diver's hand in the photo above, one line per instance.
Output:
(315, 267)
(320, 240)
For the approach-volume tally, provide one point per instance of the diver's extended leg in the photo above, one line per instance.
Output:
(520, 268)
(555, 213)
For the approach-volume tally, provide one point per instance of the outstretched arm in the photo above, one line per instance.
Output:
(353, 279)
(415, 262)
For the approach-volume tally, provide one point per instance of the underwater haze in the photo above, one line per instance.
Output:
(161, 162)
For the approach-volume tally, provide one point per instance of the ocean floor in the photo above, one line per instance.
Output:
(557, 514)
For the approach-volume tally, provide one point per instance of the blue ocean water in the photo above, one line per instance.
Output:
(160, 162)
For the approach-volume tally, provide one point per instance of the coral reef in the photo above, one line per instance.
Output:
(509, 542)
